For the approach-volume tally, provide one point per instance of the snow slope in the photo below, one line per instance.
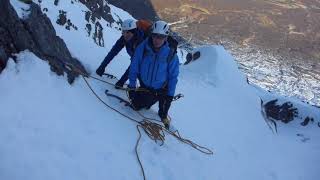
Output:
(51, 130)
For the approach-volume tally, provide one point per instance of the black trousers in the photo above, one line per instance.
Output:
(145, 99)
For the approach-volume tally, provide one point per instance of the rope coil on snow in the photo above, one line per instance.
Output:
(155, 131)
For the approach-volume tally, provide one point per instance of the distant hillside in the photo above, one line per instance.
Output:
(286, 26)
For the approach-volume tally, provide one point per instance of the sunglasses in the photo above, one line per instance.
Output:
(159, 36)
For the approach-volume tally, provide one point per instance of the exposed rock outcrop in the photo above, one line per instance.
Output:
(99, 9)
(37, 34)
(285, 112)
(64, 21)
(3, 59)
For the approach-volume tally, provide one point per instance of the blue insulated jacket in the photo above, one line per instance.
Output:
(130, 47)
(153, 68)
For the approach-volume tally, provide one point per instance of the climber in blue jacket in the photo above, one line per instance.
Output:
(157, 69)
(131, 38)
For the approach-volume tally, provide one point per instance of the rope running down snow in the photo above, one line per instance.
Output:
(154, 130)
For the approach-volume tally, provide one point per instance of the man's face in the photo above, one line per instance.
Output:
(158, 40)
(127, 35)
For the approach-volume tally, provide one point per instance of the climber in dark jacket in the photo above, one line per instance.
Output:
(157, 70)
(131, 38)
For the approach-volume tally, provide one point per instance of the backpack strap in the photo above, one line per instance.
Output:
(171, 54)
(170, 57)
(143, 55)
(173, 45)
(144, 52)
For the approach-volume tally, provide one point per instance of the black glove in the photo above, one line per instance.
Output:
(164, 107)
(131, 92)
(169, 99)
(100, 70)
(119, 85)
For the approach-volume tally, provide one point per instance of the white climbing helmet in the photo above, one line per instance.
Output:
(128, 24)
(160, 27)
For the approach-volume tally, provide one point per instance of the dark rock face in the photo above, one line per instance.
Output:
(62, 20)
(3, 54)
(5, 47)
(285, 112)
(3, 59)
(98, 9)
(98, 34)
(13, 36)
(56, 2)
(17, 38)
(37, 34)
(306, 121)
(139, 9)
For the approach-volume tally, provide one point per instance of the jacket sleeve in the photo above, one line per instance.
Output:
(134, 66)
(117, 47)
(173, 73)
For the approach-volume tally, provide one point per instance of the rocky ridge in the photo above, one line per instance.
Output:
(33, 33)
